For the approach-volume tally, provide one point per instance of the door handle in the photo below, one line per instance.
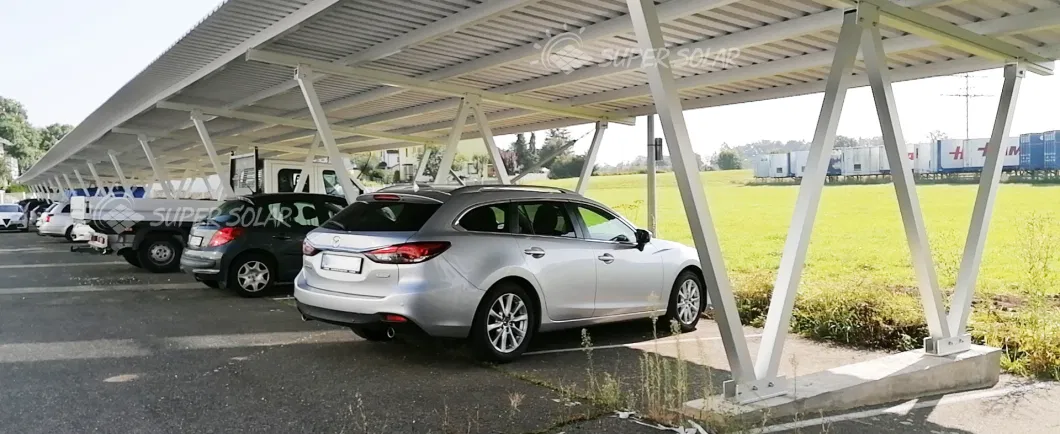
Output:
(606, 258)
(535, 252)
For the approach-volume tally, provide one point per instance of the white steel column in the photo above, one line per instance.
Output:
(590, 158)
(207, 142)
(668, 104)
(808, 201)
(95, 178)
(81, 180)
(453, 142)
(422, 167)
(69, 184)
(307, 165)
(961, 304)
(59, 184)
(491, 145)
(652, 207)
(182, 189)
(303, 75)
(905, 187)
(156, 166)
(122, 182)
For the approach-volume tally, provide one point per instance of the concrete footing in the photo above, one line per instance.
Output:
(897, 377)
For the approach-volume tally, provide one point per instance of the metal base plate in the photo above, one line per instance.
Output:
(947, 346)
(745, 393)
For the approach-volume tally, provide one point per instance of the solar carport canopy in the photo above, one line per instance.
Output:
(391, 73)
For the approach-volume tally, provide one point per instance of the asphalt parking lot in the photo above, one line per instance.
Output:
(89, 343)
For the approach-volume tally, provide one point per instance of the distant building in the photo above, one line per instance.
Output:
(11, 162)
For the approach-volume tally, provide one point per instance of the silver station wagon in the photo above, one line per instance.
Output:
(493, 264)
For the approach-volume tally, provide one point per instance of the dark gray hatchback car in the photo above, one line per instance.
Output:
(249, 244)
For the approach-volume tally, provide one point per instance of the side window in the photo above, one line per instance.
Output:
(299, 214)
(604, 226)
(488, 218)
(545, 218)
(287, 180)
(328, 210)
(331, 183)
(66, 209)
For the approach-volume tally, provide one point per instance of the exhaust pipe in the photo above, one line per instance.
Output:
(305, 318)
(390, 332)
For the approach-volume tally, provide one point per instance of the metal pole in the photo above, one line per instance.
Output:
(961, 305)
(307, 165)
(652, 207)
(122, 182)
(491, 145)
(160, 172)
(423, 164)
(95, 178)
(59, 184)
(668, 105)
(905, 187)
(453, 142)
(590, 158)
(211, 151)
(81, 180)
(320, 119)
(809, 199)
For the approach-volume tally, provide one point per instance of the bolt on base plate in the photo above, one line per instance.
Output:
(745, 393)
(947, 346)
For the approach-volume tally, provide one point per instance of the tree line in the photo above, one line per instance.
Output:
(28, 143)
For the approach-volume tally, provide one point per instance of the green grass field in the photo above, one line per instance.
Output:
(858, 287)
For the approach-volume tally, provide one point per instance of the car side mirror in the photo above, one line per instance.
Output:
(643, 237)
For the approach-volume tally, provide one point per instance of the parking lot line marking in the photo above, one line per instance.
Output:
(631, 345)
(898, 410)
(101, 288)
(208, 342)
(52, 351)
(60, 264)
(34, 250)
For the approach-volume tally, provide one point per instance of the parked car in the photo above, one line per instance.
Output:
(253, 243)
(495, 264)
(10, 216)
(31, 211)
(56, 222)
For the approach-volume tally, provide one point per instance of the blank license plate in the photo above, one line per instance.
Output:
(345, 264)
(195, 241)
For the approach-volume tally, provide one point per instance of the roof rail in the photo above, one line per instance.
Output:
(501, 187)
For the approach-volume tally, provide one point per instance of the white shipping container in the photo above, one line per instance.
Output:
(862, 161)
(798, 161)
(970, 155)
(885, 164)
(761, 166)
(922, 162)
(779, 166)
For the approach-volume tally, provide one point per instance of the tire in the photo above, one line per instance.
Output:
(160, 253)
(686, 302)
(131, 257)
(211, 283)
(500, 313)
(371, 334)
(251, 275)
(69, 235)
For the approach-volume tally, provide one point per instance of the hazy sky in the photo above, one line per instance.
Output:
(64, 58)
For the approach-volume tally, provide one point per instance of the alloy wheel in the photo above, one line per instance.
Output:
(688, 302)
(507, 323)
(253, 276)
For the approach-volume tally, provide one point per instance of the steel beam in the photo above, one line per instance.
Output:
(901, 173)
(668, 104)
(989, 179)
(307, 165)
(806, 205)
(81, 180)
(491, 145)
(541, 162)
(590, 158)
(439, 88)
(320, 120)
(651, 175)
(422, 166)
(95, 178)
(211, 152)
(160, 173)
(452, 144)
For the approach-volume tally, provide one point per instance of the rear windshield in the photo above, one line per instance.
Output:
(382, 217)
(234, 211)
(10, 208)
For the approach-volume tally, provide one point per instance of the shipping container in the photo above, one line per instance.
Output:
(862, 161)
(974, 153)
(922, 153)
(761, 166)
(779, 166)
(798, 162)
(835, 166)
(1050, 145)
(1032, 151)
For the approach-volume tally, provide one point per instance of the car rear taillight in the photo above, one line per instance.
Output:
(225, 235)
(410, 253)
(386, 197)
(48, 218)
(308, 249)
